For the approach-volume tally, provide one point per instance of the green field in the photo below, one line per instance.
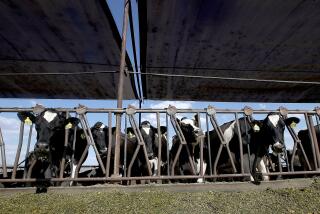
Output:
(305, 200)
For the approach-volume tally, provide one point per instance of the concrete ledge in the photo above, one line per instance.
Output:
(218, 186)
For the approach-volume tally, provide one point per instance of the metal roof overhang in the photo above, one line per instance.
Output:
(257, 40)
(60, 49)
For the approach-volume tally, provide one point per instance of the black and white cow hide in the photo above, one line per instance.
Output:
(306, 142)
(258, 134)
(192, 134)
(49, 148)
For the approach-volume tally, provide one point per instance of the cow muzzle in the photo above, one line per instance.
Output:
(277, 147)
(42, 148)
(199, 134)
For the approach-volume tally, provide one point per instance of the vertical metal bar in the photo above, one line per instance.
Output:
(312, 140)
(66, 138)
(140, 92)
(27, 152)
(125, 147)
(216, 160)
(15, 166)
(176, 159)
(120, 88)
(209, 145)
(140, 140)
(109, 143)
(182, 141)
(31, 168)
(133, 159)
(92, 142)
(3, 156)
(160, 143)
(240, 142)
(74, 148)
(315, 141)
(294, 150)
(201, 150)
(168, 149)
(231, 159)
(279, 163)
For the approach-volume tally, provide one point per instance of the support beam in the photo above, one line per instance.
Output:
(120, 87)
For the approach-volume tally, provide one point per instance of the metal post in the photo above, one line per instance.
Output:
(15, 166)
(3, 156)
(312, 140)
(315, 141)
(240, 141)
(27, 152)
(66, 138)
(160, 144)
(120, 88)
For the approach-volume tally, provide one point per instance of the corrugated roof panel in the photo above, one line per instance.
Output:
(64, 38)
(269, 40)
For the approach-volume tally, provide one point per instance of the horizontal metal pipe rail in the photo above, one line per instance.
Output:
(169, 174)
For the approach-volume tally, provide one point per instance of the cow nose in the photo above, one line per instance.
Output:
(40, 146)
(277, 147)
(198, 132)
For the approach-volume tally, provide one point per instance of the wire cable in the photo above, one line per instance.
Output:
(231, 78)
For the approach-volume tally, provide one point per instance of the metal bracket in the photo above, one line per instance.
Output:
(248, 111)
(171, 110)
(38, 109)
(81, 109)
(131, 110)
(283, 111)
(211, 110)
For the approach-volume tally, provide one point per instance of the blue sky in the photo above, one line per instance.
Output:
(10, 124)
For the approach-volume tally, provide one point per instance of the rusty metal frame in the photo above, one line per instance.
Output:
(110, 112)
(171, 111)
(130, 113)
(3, 156)
(81, 111)
(223, 144)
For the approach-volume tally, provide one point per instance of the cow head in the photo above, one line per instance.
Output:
(50, 126)
(273, 130)
(148, 135)
(99, 131)
(190, 130)
(163, 136)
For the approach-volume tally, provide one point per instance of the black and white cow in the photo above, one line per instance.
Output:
(150, 136)
(192, 134)
(49, 148)
(259, 135)
(304, 136)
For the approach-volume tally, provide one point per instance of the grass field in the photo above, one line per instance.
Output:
(305, 200)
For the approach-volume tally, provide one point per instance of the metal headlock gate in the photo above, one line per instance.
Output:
(209, 115)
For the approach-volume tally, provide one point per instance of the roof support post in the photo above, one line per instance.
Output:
(120, 87)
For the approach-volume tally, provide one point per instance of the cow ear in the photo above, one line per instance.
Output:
(98, 125)
(130, 132)
(26, 117)
(71, 122)
(179, 121)
(292, 121)
(113, 130)
(196, 120)
(256, 126)
(163, 129)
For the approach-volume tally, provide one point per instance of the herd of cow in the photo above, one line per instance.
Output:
(257, 137)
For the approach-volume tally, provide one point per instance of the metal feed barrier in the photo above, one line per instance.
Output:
(168, 117)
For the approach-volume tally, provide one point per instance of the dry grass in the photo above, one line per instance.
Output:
(305, 200)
